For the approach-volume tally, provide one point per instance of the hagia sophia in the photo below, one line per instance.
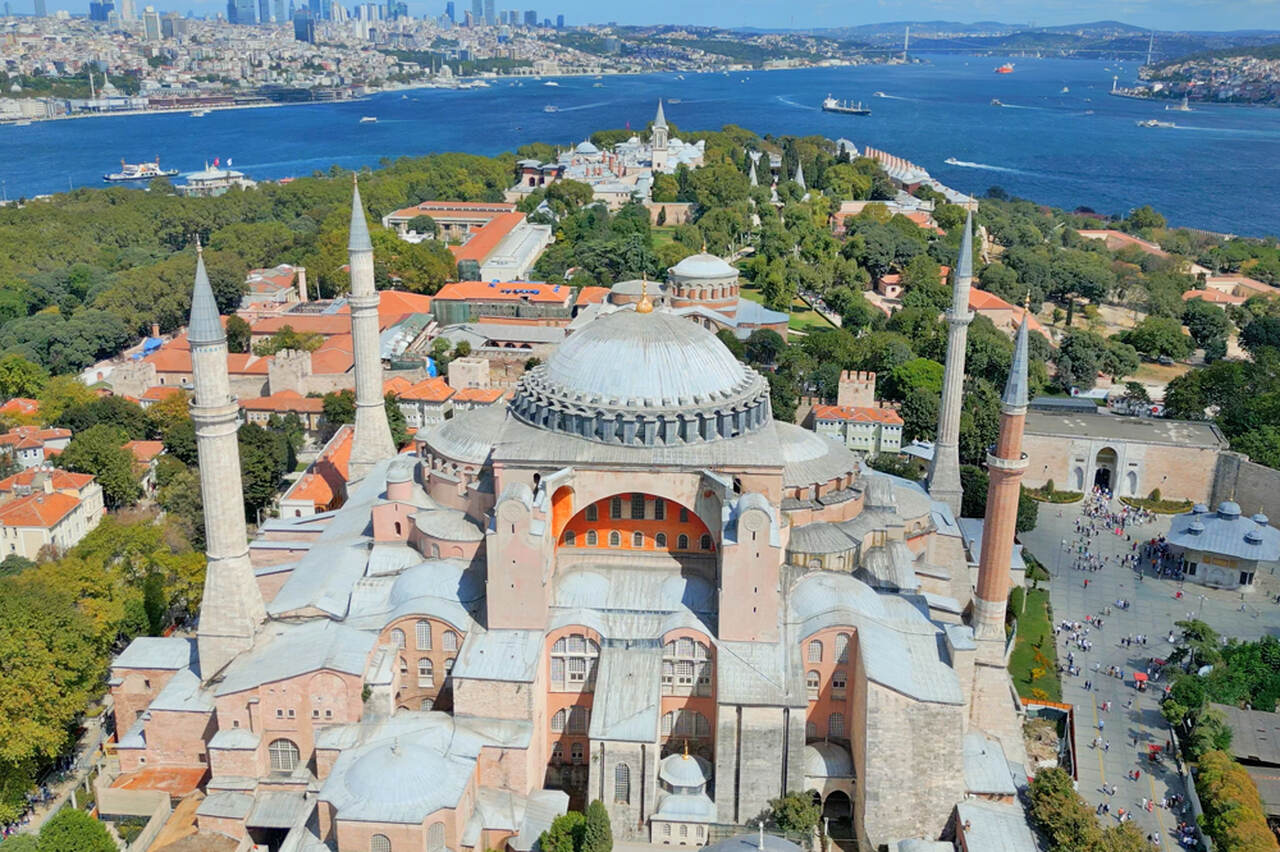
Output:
(630, 583)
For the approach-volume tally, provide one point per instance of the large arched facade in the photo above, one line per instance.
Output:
(637, 521)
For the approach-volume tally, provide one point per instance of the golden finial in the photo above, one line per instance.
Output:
(1026, 303)
(645, 306)
(686, 749)
(704, 246)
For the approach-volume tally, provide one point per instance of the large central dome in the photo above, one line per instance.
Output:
(644, 379)
(654, 359)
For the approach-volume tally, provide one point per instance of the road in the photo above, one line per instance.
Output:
(1134, 722)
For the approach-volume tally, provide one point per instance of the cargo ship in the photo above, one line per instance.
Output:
(1006, 68)
(139, 171)
(846, 107)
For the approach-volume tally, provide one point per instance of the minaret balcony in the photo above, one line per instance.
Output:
(995, 462)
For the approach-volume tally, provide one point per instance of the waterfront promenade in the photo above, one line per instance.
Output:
(1134, 722)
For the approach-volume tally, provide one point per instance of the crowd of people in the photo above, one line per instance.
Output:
(1133, 552)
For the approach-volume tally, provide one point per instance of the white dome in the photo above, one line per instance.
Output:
(827, 760)
(656, 356)
(703, 265)
(684, 770)
(396, 773)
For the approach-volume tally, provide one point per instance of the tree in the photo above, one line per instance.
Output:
(795, 813)
(1261, 332)
(1233, 812)
(424, 224)
(395, 420)
(1144, 218)
(1261, 445)
(99, 450)
(60, 393)
(1079, 359)
(21, 842)
(1119, 359)
(72, 830)
(238, 334)
(1159, 336)
(917, 374)
(1206, 322)
(1136, 393)
(565, 833)
(763, 346)
(919, 412)
(597, 835)
(922, 284)
(116, 411)
(20, 377)
(287, 338)
(340, 406)
(264, 457)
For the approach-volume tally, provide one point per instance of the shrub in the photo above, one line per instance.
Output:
(1233, 811)
(1048, 487)
(1155, 495)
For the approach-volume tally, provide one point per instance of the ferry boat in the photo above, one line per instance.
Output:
(199, 113)
(879, 95)
(845, 107)
(1065, 90)
(139, 171)
(951, 161)
(1006, 68)
(1151, 122)
(1182, 107)
(996, 102)
(369, 119)
(550, 108)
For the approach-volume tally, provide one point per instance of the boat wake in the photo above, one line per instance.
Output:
(584, 106)
(784, 99)
(895, 97)
(951, 161)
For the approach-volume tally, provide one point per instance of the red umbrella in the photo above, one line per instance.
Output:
(1139, 676)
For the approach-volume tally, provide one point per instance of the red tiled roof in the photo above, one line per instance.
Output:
(483, 395)
(323, 324)
(858, 414)
(328, 474)
(428, 390)
(38, 510)
(171, 359)
(156, 393)
(504, 291)
(1216, 297)
(441, 209)
(395, 385)
(23, 436)
(20, 405)
(61, 479)
(485, 240)
(592, 295)
(174, 780)
(285, 401)
(393, 306)
(143, 451)
(247, 364)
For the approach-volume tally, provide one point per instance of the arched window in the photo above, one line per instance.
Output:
(435, 837)
(427, 704)
(397, 637)
(576, 753)
(592, 538)
(705, 542)
(593, 514)
(835, 725)
(811, 730)
(637, 539)
(812, 682)
(423, 631)
(557, 752)
(450, 640)
(622, 783)
(637, 507)
(448, 668)
(579, 717)
(379, 843)
(397, 528)
(659, 509)
(686, 668)
(404, 667)
(815, 651)
(660, 541)
(682, 543)
(615, 508)
(615, 539)
(426, 677)
(557, 722)
(570, 538)
(842, 647)
(284, 755)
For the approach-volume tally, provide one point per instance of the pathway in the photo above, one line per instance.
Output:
(1134, 722)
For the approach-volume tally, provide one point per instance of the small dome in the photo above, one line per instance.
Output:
(1228, 509)
(1261, 519)
(684, 770)
(585, 147)
(400, 470)
(1195, 527)
(400, 773)
(703, 265)
(1199, 509)
(1253, 537)
(435, 578)
(827, 760)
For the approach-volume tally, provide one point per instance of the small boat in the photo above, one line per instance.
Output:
(199, 113)
(951, 161)
(1006, 68)
(1182, 107)
(404, 97)
(1151, 122)
(830, 104)
(996, 102)
(679, 76)
(139, 171)
(1064, 91)
(550, 108)
(879, 95)
(1088, 112)
(369, 119)
(673, 100)
(597, 85)
(551, 83)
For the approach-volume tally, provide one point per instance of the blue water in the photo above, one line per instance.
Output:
(1219, 169)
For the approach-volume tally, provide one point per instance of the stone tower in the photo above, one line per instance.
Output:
(943, 481)
(372, 440)
(1005, 466)
(232, 607)
(659, 156)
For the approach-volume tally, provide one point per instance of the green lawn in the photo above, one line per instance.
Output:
(803, 317)
(1035, 632)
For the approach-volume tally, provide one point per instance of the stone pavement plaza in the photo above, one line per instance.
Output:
(1153, 611)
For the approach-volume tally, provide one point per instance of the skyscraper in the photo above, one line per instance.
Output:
(39, 6)
(304, 27)
(150, 23)
(264, 12)
(531, 18)
(450, 12)
(489, 17)
(477, 12)
(559, 22)
(281, 14)
(128, 11)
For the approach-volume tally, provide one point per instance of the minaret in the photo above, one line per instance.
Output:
(943, 481)
(232, 607)
(658, 157)
(799, 178)
(1005, 465)
(372, 440)
(751, 175)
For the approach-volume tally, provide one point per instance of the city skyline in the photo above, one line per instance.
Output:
(770, 14)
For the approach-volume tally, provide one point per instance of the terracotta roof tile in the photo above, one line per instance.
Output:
(322, 324)
(284, 401)
(20, 405)
(156, 393)
(143, 451)
(857, 414)
(504, 291)
(592, 295)
(38, 510)
(485, 240)
(478, 395)
(61, 479)
(428, 390)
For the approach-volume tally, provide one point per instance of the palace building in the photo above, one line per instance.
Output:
(628, 583)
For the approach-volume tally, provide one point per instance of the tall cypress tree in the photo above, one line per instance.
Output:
(597, 836)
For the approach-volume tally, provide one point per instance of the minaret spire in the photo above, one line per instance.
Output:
(232, 606)
(943, 480)
(799, 178)
(658, 154)
(372, 440)
(1005, 466)
(752, 174)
